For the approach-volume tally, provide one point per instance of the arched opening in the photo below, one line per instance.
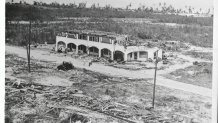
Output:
(130, 56)
(82, 49)
(143, 54)
(118, 56)
(93, 51)
(71, 46)
(61, 46)
(106, 53)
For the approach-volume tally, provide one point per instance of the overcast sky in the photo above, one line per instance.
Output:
(197, 4)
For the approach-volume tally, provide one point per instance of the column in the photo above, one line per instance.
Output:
(56, 46)
(87, 37)
(125, 57)
(99, 53)
(112, 55)
(77, 49)
(65, 45)
(132, 58)
(87, 49)
(138, 55)
(100, 39)
(77, 36)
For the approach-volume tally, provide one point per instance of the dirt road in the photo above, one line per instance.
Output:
(144, 74)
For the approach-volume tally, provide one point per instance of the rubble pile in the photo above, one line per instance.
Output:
(24, 101)
(65, 66)
(27, 98)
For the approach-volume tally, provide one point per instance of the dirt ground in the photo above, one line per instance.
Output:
(177, 61)
(200, 75)
(81, 95)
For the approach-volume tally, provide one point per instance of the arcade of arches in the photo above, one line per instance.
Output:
(81, 49)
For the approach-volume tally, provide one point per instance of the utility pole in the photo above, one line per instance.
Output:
(155, 75)
(28, 49)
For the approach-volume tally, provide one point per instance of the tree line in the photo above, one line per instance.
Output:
(54, 11)
(162, 7)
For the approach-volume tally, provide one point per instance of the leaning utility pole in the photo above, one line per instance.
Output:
(155, 75)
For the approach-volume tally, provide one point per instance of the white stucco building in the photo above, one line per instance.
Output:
(104, 44)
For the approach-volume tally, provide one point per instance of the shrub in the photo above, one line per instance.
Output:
(65, 66)
(144, 36)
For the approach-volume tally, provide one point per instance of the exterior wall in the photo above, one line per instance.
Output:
(87, 43)
(150, 51)
(150, 55)
(112, 47)
(160, 53)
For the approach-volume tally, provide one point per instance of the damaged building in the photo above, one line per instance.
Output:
(104, 44)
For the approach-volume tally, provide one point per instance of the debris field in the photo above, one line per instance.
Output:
(80, 95)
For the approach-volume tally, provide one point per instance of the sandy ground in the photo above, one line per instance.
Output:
(200, 49)
(189, 61)
(145, 74)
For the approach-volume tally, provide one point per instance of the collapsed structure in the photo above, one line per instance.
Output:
(104, 44)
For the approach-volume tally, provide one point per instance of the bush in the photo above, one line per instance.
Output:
(144, 36)
(65, 66)
(195, 63)
(110, 61)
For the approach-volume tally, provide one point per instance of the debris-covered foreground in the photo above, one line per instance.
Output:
(78, 95)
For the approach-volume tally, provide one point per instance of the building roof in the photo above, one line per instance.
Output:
(97, 33)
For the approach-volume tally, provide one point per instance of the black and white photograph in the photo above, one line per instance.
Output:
(109, 61)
